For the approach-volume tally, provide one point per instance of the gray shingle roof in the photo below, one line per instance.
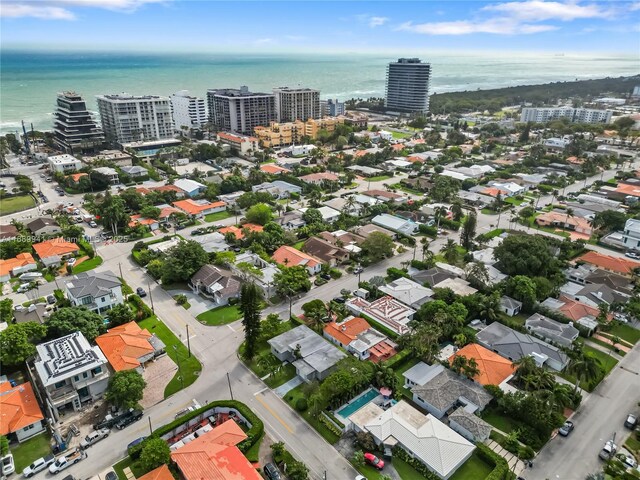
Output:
(91, 283)
(474, 424)
(444, 390)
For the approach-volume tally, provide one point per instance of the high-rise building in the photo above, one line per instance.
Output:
(332, 108)
(240, 111)
(297, 104)
(135, 118)
(188, 111)
(574, 115)
(74, 129)
(408, 86)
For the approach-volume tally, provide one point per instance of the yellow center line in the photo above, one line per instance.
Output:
(270, 410)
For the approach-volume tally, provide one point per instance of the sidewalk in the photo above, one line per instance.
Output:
(515, 464)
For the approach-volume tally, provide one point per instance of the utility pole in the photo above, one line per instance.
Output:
(150, 429)
(151, 297)
(120, 267)
(229, 382)
(188, 341)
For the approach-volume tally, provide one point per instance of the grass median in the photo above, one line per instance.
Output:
(220, 316)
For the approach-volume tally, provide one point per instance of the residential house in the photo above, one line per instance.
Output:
(278, 189)
(596, 294)
(563, 334)
(419, 184)
(408, 292)
(44, 226)
(273, 169)
(36, 312)
(216, 284)
(384, 196)
(368, 229)
(515, 345)
(97, 292)
(329, 215)
(71, 372)
(395, 224)
(458, 285)
(313, 357)
(424, 437)
(576, 311)
(160, 473)
(475, 199)
(492, 368)
(562, 220)
(111, 174)
(327, 252)
(291, 221)
(365, 171)
(419, 374)
(470, 426)
(631, 235)
(199, 208)
(358, 337)
(261, 272)
(386, 310)
(319, 178)
(212, 242)
(397, 163)
(64, 163)
(510, 306)
(430, 277)
(138, 219)
(21, 263)
(445, 390)
(135, 171)
(52, 252)
(347, 240)
(239, 232)
(214, 455)
(619, 265)
(290, 257)
(241, 143)
(8, 232)
(21, 416)
(129, 347)
(555, 144)
(190, 187)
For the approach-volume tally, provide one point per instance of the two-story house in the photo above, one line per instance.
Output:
(97, 292)
(631, 235)
(70, 372)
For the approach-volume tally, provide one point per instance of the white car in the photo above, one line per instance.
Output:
(94, 437)
(8, 467)
(71, 262)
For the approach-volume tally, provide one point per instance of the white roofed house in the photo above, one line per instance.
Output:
(110, 173)
(97, 292)
(70, 372)
(190, 187)
(386, 310)
(395, 224)
(631, 235)
(408, 292)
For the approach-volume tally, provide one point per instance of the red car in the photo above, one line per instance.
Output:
(374, 461)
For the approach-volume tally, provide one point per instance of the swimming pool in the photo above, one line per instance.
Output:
(358, 403)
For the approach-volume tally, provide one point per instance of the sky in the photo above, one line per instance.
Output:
(323, 27)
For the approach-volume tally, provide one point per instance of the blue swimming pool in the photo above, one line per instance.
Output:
(358, 403)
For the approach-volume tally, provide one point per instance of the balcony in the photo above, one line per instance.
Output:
(63, 395)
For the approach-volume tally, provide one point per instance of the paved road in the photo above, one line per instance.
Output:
(600, 416)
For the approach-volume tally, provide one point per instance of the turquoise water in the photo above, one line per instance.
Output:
(350, 409)
(29, 80)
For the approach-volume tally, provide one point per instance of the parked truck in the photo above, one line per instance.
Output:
(114, 418)
(67, 460)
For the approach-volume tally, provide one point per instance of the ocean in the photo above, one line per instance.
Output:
(29, 81)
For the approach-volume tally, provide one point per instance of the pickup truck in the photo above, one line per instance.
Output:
(111, 420)
(608, 451)
(129, 418)
(94, 437)
(38, 465)
(67, 460)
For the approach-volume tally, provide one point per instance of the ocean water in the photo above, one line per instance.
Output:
(29, 81)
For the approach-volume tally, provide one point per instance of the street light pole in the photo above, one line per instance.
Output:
(151, 297)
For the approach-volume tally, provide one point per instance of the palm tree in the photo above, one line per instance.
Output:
(489, 306)
(438, 213)
(471, 369)
(525, 365)
(279, 208)
(450, 251)
(349, 204)
(456, 210)
(585, 367)
(477, 271)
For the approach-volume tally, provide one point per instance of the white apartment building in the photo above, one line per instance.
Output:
(297, 104)
(188, 111)
(407, 89)
(70, 372)
(332, 108)
(64, 163)
(239, 110)
(135, 118)
(575, 115)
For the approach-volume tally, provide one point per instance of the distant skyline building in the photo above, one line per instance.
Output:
(407, 89)
(332, 108)
(239, 110)
(135, 118)
(74, 129)
(188, 111)
(574, 115)
(297, 104)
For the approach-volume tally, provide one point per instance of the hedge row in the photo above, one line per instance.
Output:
(399, 359)
(327, 423)
(381, 328)
(140, 305)
(500, 466)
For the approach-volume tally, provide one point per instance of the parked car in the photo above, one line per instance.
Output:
(38, 465)
(8, 467)
(140, 292)
(137, 441)
(127, 420)
(358, 270)
(631, 421)
(271, 471)
(94, 437)
(374, 461)
(608, 451)
(566, 429)
(632, 254)
(339, 300)
(65, 461)
(93, 224)
(51, 299)
(25, 287)
(71, 262)
(325, 276)
(621, 317)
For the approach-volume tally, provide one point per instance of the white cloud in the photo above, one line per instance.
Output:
(372, 20)
(497, 26)
(264, 41)
(62, 9)
(538, 10)
(634, 6)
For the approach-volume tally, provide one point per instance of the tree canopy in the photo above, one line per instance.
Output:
(290, 280)
(260, 213)
(183, 261)
(125, 389)
(18, 342)
(528, 255)
(377, 246)
(72, 319)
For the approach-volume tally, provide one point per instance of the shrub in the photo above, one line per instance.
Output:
(526, 452)
(140, 306)
(358, 458)
(395, 273)
(335, 273)
(426, 230)
(301, 404)
(327, 423)
(501, 467)
(181, 299)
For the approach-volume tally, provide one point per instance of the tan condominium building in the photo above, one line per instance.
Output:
(297, 104)
(283, 134)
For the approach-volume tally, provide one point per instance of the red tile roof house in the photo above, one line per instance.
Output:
(290, 257)
(620, 265)
(199, 208)
(319, 178)
(140, 220)
(358, 337)
(20, 414)
(52, 252)
(215, 456)
(128, 347)
(23, 262)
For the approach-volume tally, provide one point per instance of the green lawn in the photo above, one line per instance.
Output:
(28, 451)
(16, 204)
(124, 463)
(298, 245)
(608, 346)
(220, 316)
(214, 217)
(185, 305)
(190, 367)
(285, 374)
(607, 361)
(496, 232)
(378, 178)
(292, 397)
(513, 201)
(625, 332)
(405, 471)
(632, 444)
(88, 264)
(505, 424)
(400, 135)
(472, 469)
(488, 211)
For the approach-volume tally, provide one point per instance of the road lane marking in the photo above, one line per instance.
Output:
(260, 391)
(277, 417)
(231, 328)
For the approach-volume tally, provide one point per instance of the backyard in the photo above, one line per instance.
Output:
(87, 265)
(220, 315)
(474, 468)
(499, 421)
(30, 450)
(16, 204)
(214, 217)
(606, 361)
(189, 366)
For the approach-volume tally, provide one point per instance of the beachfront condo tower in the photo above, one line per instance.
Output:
(297, 104)
(408, 86)
(239, 110)
(74, 129)
(189, 112)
